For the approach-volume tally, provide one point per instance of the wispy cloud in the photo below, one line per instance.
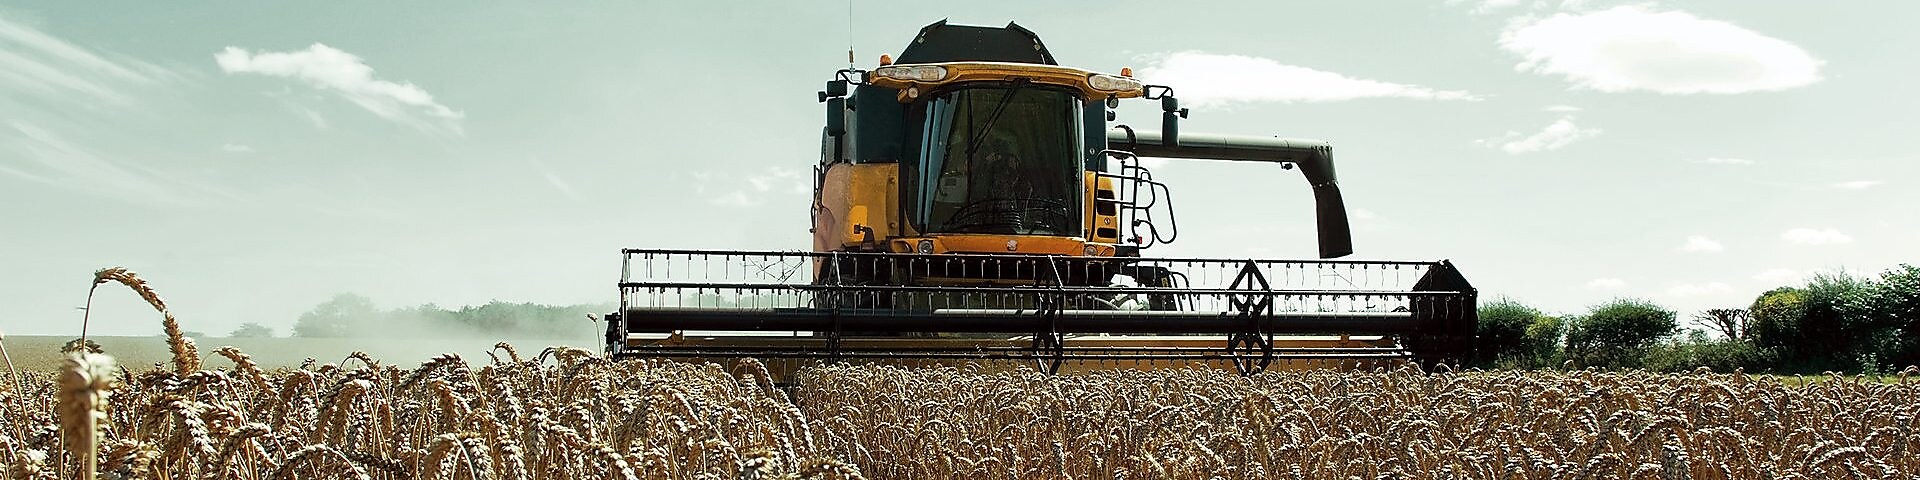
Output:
(1607, 284)
(1635, 48)
(1738, 162)
(1210, 79)
(345, 74)
(559, 184)
(1858, 184)
(1780, 276)
(1701, 244)
(1816, 236)
(753, 189)
(789, 180)
(53, 160)
(33, 62)
(1560, 133)
(1699, 289)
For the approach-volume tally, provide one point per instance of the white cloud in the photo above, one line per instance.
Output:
(1697, 243)
(785, 180)
(344, 73)
(1725, 161)
(1489, 6)
(1631, 48)
(753, 189)
(1368, 220)
(1698, 289)
(1811, 236)
(1207, 79)
(1562, 108)
(1779, 276)
(236, 148)
(1558, 134)
(1858, 184)
(735, 199)
(559, 184)
(1607, 284)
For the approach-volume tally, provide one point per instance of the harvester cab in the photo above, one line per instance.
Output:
(971, 202)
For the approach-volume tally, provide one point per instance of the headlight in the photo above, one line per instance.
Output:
(926, 246)
(1110, 83)
(1092, 250)
(916, 73)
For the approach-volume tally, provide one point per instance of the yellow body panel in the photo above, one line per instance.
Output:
(990, 243)
(855, 198)
(1103, 220)
(858, 210)
(962, 72)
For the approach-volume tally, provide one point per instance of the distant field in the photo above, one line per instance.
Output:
(40, 352)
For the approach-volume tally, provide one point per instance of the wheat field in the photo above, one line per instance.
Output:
(569, 413)
(566, 413)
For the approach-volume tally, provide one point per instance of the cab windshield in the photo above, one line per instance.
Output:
(1000, 160)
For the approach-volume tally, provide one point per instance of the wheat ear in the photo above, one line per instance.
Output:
(82, 405)
(186, 357)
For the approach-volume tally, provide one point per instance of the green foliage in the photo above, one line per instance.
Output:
(349, 315)
(1894, 301)
(1775, 318)
(1617, 334)
(1721, 355)
(1842, 322)
(251, 330)
(1513, 334)
(346, 315)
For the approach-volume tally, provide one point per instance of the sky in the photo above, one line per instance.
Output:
(253, 160)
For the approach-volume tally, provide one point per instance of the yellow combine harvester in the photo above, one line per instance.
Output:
(971, 202)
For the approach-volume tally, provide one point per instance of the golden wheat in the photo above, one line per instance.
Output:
(569, 413)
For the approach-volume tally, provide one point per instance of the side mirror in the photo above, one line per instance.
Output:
(1170, 115)
(836, 117)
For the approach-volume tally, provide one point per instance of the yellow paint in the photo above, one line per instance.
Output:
(991, 243)
(962, 72)
(1102, 226)
(853, 196)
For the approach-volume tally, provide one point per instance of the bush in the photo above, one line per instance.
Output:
(1894, 301)
(1774, 320)
(1720, 355)
(1617, 334)
(251, 330)
(1841, 322)
(1502, 330)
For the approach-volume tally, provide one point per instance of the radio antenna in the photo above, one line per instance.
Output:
(850, 62)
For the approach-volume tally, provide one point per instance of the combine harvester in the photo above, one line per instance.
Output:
(971, 203)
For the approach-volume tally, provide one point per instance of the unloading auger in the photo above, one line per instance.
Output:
(971, 203)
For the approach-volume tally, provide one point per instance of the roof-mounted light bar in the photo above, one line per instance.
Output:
(913, 79)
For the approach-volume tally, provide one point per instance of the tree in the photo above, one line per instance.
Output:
(1894, 302)
(1773, 322)
(343, 316)
(1511, 333)
(1730, 322)
(251, 330)
(1839, 321)
(1618, 333)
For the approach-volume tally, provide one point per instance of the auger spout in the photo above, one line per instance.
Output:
(1314, 157)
